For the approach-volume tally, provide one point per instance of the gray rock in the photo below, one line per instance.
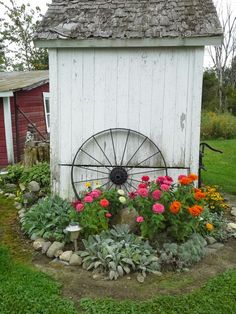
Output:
(140, 278)
(65, 256)
(21, 215)
(210, 240)
(34, 186)
(54, 248)
(29, 197)
(38, 244)
(75, 260)
(231, 227)
(22, 211)
(157, 273)
(58, 262)
(97, 276)
(10, 187)
(233, 211)
(46, 246)
(58, 253)
(11, 195)
(126, 216)
(216, 246)
(18, 205)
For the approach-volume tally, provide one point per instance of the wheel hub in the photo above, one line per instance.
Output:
(118, 176)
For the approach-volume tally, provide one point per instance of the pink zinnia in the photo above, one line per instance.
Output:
(145, 178)
(169, 179)
(140, 219)
(164, 187)
(160, 179)
(88, 199)
(79, 207)
(74, 204)
(142, 186)
(108, 215)
(156, 194)
(95, 193)
(158, 208)
(142, 192)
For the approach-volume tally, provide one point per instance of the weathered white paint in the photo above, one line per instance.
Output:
(8, 129)
(156, 91)
(6, 94)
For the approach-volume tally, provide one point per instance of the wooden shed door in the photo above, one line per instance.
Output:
(3, 148)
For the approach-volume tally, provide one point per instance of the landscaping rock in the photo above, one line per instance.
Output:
(38, 244)
(58, 253)
(11, 195)
(210, 240)
(216, 246)
(22, 211)
(233, 211)
(231, 227)
(157, 273)
(65, 256)
(22, 214)
(140, 278)
(54, 248)
(18, 205)
(30, 198)
(126, 216)
(97, 276)
(58, 262)
(34, 186)
(46, 246)
(75, 260)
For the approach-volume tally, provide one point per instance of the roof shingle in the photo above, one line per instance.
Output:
(124, 19)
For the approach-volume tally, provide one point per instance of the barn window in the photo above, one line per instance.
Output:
(46, 100)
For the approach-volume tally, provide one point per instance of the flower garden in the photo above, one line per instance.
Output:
(161, 226)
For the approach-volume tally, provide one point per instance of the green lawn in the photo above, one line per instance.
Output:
(221, 168)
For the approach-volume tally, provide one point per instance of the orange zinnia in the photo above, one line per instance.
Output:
(193, 176)
(185, 181)
(196, 210)
(175, 207)
(199, 195)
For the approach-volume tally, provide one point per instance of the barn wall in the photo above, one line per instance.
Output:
(156, 91)
(3, 148)
(31, 103)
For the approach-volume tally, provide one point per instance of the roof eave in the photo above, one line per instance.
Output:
(215, 40)
(24, 88)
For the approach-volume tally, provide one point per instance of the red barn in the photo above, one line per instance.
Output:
(24, 101)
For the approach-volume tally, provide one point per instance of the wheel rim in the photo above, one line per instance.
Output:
(116, 158)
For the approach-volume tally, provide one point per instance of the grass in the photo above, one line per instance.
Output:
(26, 291)
(221, 168)
(217, 296)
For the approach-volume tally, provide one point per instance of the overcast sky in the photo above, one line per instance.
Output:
(43, 5)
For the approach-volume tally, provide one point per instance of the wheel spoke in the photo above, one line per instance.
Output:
(137, 151)
(126, 142)
(105, 184)
(102, 150)
(144, 160)
(131, 185)
(135, 180)
(125, 187)
(143, 172)
(93, 170)
(93, 158)
(113, 145)
(90, 180)
(110, 186)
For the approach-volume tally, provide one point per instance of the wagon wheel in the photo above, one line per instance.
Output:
(116, 158)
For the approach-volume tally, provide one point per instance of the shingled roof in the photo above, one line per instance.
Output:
(128, 19)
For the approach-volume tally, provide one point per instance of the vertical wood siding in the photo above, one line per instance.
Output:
(3, 148)
(156, 91)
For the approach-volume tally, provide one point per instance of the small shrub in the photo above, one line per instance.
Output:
(14, 173)
(218, 126)
(177, 256)
(48, 218)
(118, 252)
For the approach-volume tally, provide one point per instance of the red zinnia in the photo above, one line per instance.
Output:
(104, 203)
(145, 178)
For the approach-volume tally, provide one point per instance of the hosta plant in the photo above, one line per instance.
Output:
(118, 252)
(48, 218)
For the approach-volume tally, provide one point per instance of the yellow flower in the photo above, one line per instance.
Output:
(88, 185)
(209, 226)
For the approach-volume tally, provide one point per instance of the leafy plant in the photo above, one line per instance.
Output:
(214, 199)
(48, 218)
(14, 173)
(118, 252)
(178, 256)
(39, 173)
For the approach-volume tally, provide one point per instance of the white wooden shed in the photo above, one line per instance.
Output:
(135, 64)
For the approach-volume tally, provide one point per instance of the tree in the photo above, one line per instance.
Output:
(221, 55)
(17, 31)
